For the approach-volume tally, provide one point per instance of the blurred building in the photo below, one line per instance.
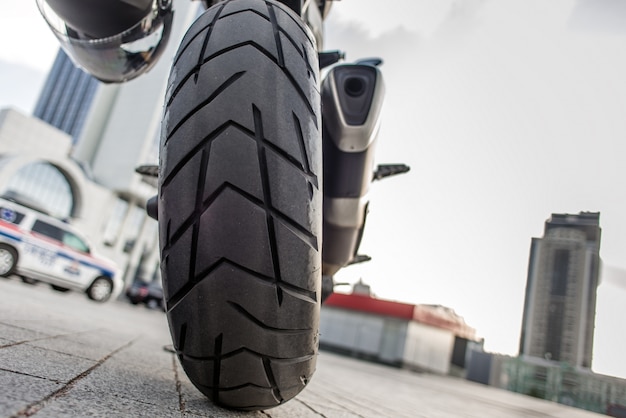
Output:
(35, 170)
(560, 305)
(66, 97)
(552, 381)
(429, 338)
(113, 128)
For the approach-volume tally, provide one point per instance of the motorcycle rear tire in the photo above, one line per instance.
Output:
(240, 204)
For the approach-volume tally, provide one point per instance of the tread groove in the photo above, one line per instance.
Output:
(312, 177)
(217, 366)
(243, 385)
(287, 222)
(309, 74)
(232, 124)
(261, 324)
(205, 42)
(182, 337)
(267, 365)
(182, 162)
(295, 291)
(285, 33)
(276, 29)
(231, 80)
(262, 51)
(304, 32)
(267, 199)
(302, 145)
(183, 48)
(273, 59)
(298, 292)
(197, 213)
(302, 29)
(230, 354)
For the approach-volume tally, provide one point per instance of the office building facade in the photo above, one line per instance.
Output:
(560, 305)
(66, 96)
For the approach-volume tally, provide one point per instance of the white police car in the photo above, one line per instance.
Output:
(36, 246)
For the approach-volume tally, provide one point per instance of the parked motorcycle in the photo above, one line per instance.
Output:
(260, 157)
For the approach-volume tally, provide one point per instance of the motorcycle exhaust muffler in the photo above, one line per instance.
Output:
(352, 98)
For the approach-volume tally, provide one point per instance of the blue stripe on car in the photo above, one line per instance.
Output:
(102, 270)
(105, 272)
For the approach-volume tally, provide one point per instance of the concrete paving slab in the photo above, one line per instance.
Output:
(20, 390)
(35, 361)
(80, 402)
(62, 355)
(19, 334)
(134, 374)
(92, 344)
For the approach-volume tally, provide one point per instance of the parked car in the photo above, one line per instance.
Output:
(39, 247)
(149, 293)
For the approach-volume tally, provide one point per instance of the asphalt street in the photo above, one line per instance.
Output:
(62, 355)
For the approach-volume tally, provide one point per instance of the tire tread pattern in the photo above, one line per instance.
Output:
(240, 204)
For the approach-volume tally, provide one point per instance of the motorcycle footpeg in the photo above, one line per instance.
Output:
(328, 58)
(148, 170)
(388, 170)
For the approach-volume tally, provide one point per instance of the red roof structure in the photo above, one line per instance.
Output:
(434, 315)
(368, 304)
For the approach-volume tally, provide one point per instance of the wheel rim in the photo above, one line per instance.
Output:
(6, 261)
(100, 289)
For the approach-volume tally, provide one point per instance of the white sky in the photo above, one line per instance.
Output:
(506, 110)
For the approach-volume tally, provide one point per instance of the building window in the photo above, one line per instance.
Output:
(137, 217)
(560, 273)
(114, 224)
(42, 186)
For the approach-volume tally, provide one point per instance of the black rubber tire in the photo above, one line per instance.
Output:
(9, 256)
(240, 204)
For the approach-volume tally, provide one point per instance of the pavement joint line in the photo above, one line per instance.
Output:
(63, 353)
(12, 325)
(51, 350)
(49, 337)
(179, 387)
(340, 405)
(37, 406)
(31, 375)
(310, 407)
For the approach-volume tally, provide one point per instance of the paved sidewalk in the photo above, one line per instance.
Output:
(62, 355)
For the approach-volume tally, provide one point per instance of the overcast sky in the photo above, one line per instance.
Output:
(506, 110)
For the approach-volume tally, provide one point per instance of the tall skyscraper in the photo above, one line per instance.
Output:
(560, 305)
(66, 96)
(114, 127)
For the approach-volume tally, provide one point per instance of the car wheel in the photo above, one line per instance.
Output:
(100, 290)
(8, 260)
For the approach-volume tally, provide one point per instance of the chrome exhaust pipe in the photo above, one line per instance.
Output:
(352, 98)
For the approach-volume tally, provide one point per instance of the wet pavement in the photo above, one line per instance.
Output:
(62, 355)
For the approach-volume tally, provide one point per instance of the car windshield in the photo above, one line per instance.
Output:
(75, 242)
